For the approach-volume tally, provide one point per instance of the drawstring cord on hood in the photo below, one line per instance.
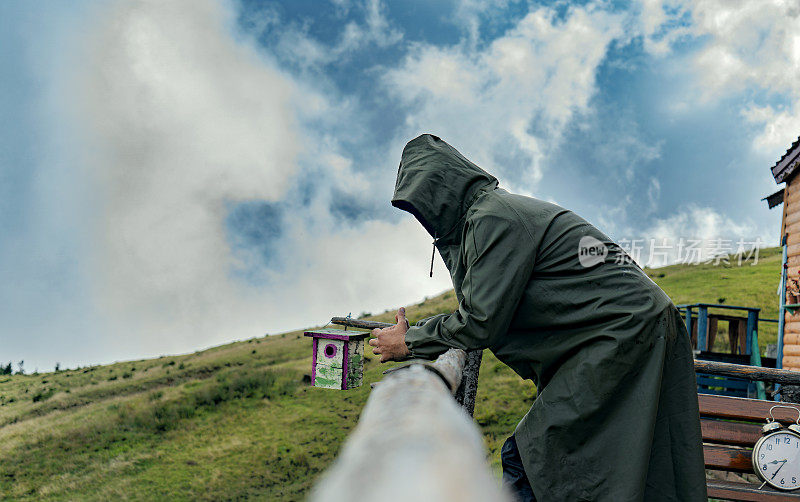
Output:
(433, 252)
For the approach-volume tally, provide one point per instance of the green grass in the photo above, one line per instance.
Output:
(240, 420)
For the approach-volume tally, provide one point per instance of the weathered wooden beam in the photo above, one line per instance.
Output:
(728, 458)
(358, 323)
(413, 442)
(731, 490)
(465, 395)
(742, 409)
(747, 372)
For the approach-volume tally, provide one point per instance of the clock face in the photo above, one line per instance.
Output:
(776, 458)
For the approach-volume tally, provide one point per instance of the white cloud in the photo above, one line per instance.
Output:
(698, 222)
(375, 30)
(671, 239)
(471, 14)
(748, 48)
(780, 128)
(660, 23)
(513, 96)
(366, 268)
(753, 45)
(619, 146)
(653, 194)
(298, 46)
(182, 119)
(342, 6)
(689, 234)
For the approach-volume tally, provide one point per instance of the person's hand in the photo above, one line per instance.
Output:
(390, 343)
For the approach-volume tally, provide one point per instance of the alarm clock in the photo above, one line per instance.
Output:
(776, 456)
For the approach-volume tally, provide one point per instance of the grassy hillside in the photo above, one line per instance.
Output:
(240, 420)
(746, 285)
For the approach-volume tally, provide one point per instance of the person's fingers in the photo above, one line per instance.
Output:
(376, 350)
(400, 317)
(373, 342)
(384, 358)
(376, 331)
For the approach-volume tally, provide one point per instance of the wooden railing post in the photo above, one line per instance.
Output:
(465, 395)
(702, 328)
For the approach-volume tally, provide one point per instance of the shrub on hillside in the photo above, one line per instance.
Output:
(43, 395)
(160, 416)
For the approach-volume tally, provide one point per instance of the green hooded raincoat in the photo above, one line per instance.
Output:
(616, 416)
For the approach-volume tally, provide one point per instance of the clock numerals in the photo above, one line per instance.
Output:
(776, 460)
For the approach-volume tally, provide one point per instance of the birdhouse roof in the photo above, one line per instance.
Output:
(337, 334)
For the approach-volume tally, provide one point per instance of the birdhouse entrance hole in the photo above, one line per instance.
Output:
(330, 350)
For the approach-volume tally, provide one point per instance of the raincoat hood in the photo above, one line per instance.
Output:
(437, 184)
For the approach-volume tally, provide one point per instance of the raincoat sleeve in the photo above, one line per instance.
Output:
(499, 255)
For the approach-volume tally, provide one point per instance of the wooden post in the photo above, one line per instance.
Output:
(465, 395)
(755, 360)
(782, 303)
(413, 442)
(752, 327)
(713, 324)
(702, 328)
(742, 337)
(688, 319)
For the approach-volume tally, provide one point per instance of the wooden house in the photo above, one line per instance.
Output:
(786, 171)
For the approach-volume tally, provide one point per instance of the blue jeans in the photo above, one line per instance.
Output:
(514, 478)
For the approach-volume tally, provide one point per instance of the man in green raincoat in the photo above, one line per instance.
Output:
(616, 417)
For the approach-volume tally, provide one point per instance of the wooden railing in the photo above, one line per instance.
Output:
(748, 372)
(413, 442)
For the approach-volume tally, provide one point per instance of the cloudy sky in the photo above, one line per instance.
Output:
(180, 174)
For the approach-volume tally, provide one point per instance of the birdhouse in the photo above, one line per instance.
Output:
(338, 358)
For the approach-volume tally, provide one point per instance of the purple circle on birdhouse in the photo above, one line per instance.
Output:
(330, 350)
